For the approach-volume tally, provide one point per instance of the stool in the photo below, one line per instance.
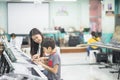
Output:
(93, 56)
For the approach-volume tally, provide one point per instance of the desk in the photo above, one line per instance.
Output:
(109, 46)
(103, 45)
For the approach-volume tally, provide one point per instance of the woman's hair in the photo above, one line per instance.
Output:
(33, 45)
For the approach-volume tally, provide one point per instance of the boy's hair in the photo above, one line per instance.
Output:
(94, 34)
(48, 42)
(13, 34)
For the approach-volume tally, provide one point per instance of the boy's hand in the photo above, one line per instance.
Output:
(38, 62)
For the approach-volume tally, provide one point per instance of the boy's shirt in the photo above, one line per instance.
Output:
(13, 42)
(93, 40)
(53, 60)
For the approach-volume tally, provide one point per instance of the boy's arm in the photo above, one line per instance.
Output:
(44, 60)
(40, 59)
(53, 69)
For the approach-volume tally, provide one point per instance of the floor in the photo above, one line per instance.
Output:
(76, 66)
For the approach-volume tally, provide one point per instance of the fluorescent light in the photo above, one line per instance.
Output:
(27, 0)
(65, 0)
(35, 1)
(30, 0)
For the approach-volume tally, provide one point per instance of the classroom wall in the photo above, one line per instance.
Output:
(108, 21)
(64, 14)
(69, 14)
(77, 14)
(83, 11)
(74, 14)
(3, 16)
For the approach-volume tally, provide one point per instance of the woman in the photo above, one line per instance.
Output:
(36, 39)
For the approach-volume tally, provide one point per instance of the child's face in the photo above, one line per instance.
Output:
(13, 37)
(47, 50)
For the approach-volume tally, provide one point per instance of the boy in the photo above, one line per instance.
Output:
(53, 65)
(94, 39)
(13, 39)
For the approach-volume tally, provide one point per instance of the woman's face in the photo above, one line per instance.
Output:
(37, 38)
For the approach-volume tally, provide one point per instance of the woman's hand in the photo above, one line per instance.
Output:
(36, 56)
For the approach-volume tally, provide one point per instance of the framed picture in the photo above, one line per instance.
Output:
(109, 6)
(109, 13)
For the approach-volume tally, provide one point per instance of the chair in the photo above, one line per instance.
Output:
(116, 59)
(93, 55)
(117, 71)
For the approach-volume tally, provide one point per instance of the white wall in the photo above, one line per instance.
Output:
(83, 12)
(78, 11)
(76, 14)
(3, 16)
(108, 22)
(22, 17)
(64, 14)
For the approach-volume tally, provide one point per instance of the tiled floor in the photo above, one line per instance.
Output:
(75, 66)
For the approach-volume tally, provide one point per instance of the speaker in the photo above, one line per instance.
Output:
(74, 40)
(101, 57)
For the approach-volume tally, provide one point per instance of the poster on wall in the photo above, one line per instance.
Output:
(109, 6)
(109, 13)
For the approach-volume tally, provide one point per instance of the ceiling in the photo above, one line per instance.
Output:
(26, 0)
(32, 0)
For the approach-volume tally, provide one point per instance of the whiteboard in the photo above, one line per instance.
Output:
(22, 17)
